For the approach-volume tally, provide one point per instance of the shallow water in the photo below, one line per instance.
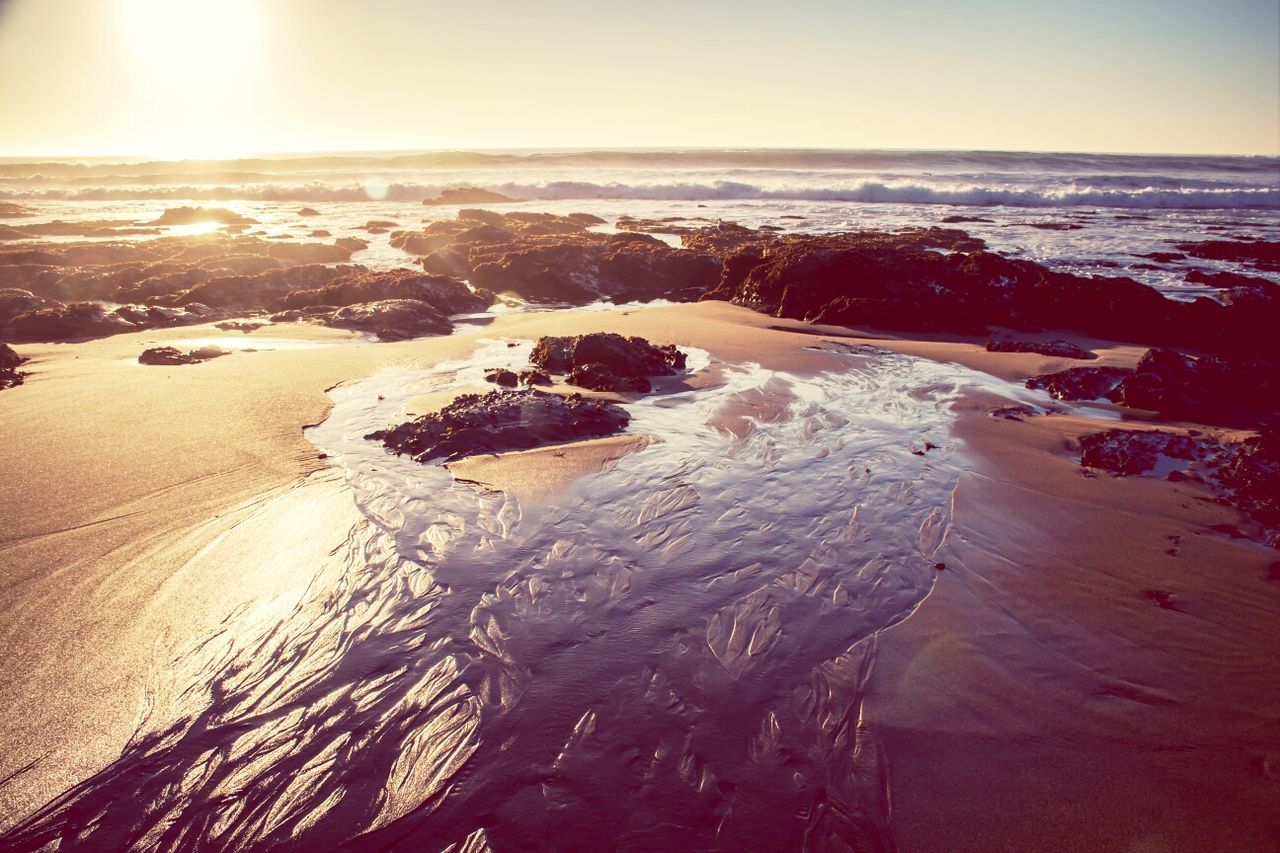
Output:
(671, 656)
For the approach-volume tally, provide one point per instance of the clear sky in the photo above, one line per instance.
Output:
(210, 78)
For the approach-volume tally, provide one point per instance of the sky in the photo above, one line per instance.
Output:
(223, 78)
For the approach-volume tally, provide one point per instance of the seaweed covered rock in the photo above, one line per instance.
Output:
(501, 421)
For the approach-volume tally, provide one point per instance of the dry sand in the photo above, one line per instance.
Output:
(1040, 697)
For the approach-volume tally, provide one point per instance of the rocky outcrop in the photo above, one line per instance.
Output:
(547, 258)
(501, 421)
(603, 361)
(941, 280)
(169, 356)
(448, 295)
(1056, 349)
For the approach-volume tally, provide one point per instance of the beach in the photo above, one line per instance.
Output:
(1081, 642)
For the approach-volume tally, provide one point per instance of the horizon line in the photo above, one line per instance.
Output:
(587, 149)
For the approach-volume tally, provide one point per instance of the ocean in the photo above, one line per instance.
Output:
(1083, 213)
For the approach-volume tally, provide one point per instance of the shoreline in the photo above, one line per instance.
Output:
(175, 493)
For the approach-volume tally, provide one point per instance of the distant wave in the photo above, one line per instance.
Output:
(864, 192)
(810, 159)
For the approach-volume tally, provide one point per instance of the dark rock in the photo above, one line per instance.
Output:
(597, 377)
(169, 356)
(194, 215)
(487, 217)
(260, 291)
(1057, 349)
(308, 211)
(941, 280)
(351, 245)
(1082, 383)
(503, 377)
(1205, 388)
(1124, 451)
(501, 421)
(15, 301)
(1164, 257)
(956, 220)
(534, 377)
(10, 361)
(8, 358)
(391, 319)
(446, 294)
(1055, 226)
(316, 253)
(1012, 413)
(1260, 252)
(69, 321)
(547, 258)
(1228, 280)
(160, 317)
(624, 357)
(469, 195)
(1245, 473)
(239, 326)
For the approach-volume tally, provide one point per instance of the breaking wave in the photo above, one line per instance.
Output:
(1155, 197)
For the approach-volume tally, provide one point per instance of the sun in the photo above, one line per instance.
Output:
(191, 42)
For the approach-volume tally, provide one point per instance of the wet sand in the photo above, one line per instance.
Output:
(1067, 683)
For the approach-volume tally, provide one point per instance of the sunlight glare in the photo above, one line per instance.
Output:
(191, 42)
